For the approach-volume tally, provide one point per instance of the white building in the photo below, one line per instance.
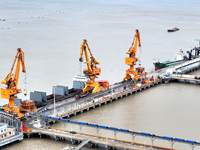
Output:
(5, 132)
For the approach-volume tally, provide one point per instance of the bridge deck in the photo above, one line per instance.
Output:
(94, 140)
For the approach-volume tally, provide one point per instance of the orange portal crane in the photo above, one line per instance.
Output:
(11, 80)
(92, 71)
(131, 60)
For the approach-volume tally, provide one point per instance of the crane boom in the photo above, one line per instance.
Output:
(20, 60)
(136, 41)
(92, 71)
(84, 50)
(11, 81)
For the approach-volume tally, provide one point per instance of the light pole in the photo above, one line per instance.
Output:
(154, 61)
(112, 85)
(54, 100)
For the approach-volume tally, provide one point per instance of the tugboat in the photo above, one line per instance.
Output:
(173, 29)
(180, 57)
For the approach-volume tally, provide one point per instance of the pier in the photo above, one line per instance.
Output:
(183, 79)
(91, 140)
(65, 109)
(40, 120)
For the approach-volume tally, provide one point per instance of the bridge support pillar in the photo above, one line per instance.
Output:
(172, 144)
(152, 140)
(97, 131)
(80, 128)
(192, 146)
(115, 134)
(133, 138)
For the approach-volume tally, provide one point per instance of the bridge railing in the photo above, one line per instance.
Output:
(115, 130)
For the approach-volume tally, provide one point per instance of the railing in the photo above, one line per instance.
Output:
(115, 130)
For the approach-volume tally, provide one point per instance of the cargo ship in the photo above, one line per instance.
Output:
(180, 57)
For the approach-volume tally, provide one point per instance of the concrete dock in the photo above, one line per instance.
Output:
(39, 121)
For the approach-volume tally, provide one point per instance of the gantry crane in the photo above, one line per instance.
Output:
(92, 70)
(131, 61)
(11, 80)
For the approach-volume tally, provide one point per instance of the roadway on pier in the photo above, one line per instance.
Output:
(97, 140)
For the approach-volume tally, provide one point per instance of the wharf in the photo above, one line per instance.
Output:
(99, 141)
(71, 106)
(107, 99)
(183, 79)
(119, 90)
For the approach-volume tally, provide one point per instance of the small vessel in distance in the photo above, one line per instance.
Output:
(173, 29)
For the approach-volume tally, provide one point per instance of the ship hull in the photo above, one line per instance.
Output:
(159, 65)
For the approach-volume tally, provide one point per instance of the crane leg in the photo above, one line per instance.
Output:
(92, 86)
(96, 89)
(135, 84)
(147, 80)
(127, 77)
(87, 88)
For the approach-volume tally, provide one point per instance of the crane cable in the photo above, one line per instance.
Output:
(25, 84)
(140, 56)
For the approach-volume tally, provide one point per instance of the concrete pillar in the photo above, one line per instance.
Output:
(133, 138)
(152, 140)
(80, 128)
(97, 131)
(115, 134)
(172, 144)
(192, 146)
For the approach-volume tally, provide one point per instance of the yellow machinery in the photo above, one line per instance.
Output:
(92, 70)
(11, 81)
(131, 61)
